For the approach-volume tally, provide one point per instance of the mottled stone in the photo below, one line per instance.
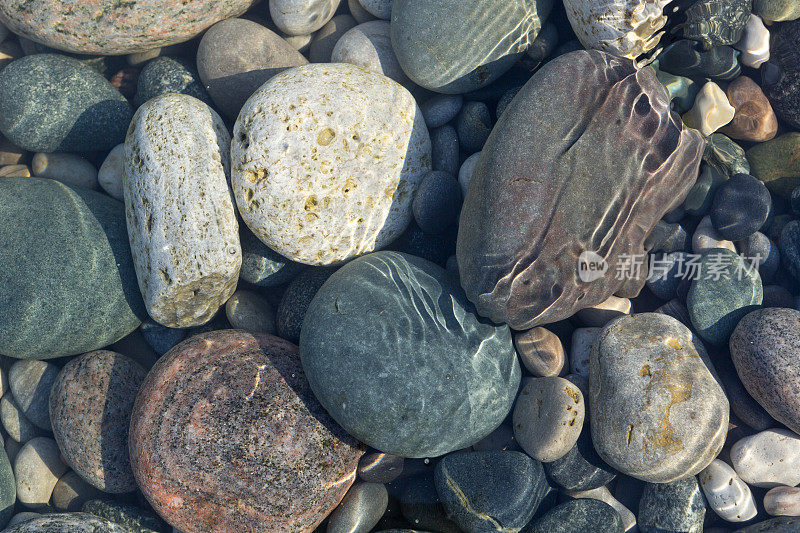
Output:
(781, 76)
(296, 299)
(465, 172)
(71, 492)
(726, 493)
(326, 38)
(67, 523)
(657, 411)
(790, 247)
(754, 119)
(182, 226)
(378, 8)
(678, 506)
(202, 439)
(540, 351)
(301, 17)
(428, 378)
(526, 219)
(236, 56)
(686, 58)
(55, 103)
(455, 46)
(764, 349)
(782, 501)
(165, 75)
(90, 405)
(768, 459)
(777, 163)
(30, 382)
(581, 468)
(133, 519)
(490, 491)
(363, 146)
(263, 266)
(776, 10)
(716, 22)
(37, 468)
(773, 525)
(360, 510)
(369, 46)
(583, 515)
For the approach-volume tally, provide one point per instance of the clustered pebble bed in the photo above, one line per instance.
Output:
(400, 266)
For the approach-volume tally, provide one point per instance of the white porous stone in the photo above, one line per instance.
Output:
(604, 312)
(110, 173)
(754, 43)
(768, 459)
(379, 8)
(326, 159)
(181, 220)
(727, 494)
(465, 172)
(711, 110)
(369, 45)
(301, 17)
(782, 501)
(706, 238)
(70, 169)
(604, 495)
(37, 468)
(581, 348)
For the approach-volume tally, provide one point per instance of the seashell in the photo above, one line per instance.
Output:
(716, 22)
(754, 43)
(711, 110)
(623, 28)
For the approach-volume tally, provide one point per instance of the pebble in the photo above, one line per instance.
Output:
(711, 110)
(726, 493)
(677, 506)
(90, 405)
(295, 301)
(109, 176)
(301, 43)
(9, 51)
(445, 149)
(777, 296)
(780, 76)
(544, 44)
(379, 8)
(437, 201)
(165, 75)
(369, 46)
(8, 489)
(768, 459)
(30, 382)
(12, 448)
(541, 352)
(583, 515)
(250, 311)
(667, 237)
(471, 374)
(132, 518)
(782, 501)
(602, 494)
(360, 510)
(325, 215)
(666, 274)
(580, 349)
(754, 119)
(69, 169)
(581, 468)
(458, 46)
(723, 291)
(687, 58)
(160, 338)
(261, 265)
(301, 17)
(764, 349)
(490, 491)
(763, 253)
(713, 23)
(440, 109)
(84, 112)
(325, 39)
(740, 208)
(777, 164)
(465, 172)
(774, 525)
(358, 12)
(235, 58)
(16, 425)
(182, 227)
(599, 315)
(221, 429)
(776, 10)
(379, 467)
(657, 411)
(548, 417)
(473, 125)
(71, 492)
(754, 43)
(682, 90)
(22, 517)
(37, 468)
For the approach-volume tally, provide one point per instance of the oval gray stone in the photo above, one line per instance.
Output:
(30, 381)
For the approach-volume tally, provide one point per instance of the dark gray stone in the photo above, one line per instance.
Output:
(677, 507)
(581, 469)
(667, 237)
(444, 149)
(440, 109)
(687, 58)
(437, 201)
(421, 506)
(296, 299)
(132, 518)
(165, 75)
(473, 125)
(263, 266)
(716, 22)
(54, 103)
(583, 515)
(67, 523)
(161, 338)
(362, 508)
(740, 207)
(666, 274)
(725, 155)
(790, 247)
(781, 524)
(425, 378)
(781, 76)
(766, 256)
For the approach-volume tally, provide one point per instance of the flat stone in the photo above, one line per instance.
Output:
(777, 163)
(84, 112)
(456, 46)
(676, 506)
(37, 468)
(356, 192)
(132, 518)
(490, 491)
(657, 410)
(360, 510)
(473, 125)
(201, 439)
(581, 468)
(768, 459)
(165, 75)
(236, 56)
(183, 230)
(301, 17)
(726, 493)
(584, 515)
(439, 379)
(369, 46)
(528, 275)
(754, 119)
(782, 501)
(71, 492)
(10, 153)
(90, 405)
(781, 76)
(764, 349)
(540, 351)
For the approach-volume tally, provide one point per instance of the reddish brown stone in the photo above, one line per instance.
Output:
(125, 81)
(754, 119)
(227, 436)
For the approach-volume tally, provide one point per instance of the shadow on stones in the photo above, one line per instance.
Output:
(100, 126)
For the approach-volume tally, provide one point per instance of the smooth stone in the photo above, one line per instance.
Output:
(776, 10)
(84, 112)
(261, 265)
(657, 410)
(726, 493)
(452, 389)
(724, 290)
(782, 501)
(194, 432)
(676, 310)
(165, 75)
(754, 43)
(182, 227)
(743, 406)
(490, 491)
(583, 515)
(711, 110)
(714, 23)
(440, 109)
(465, 172)
(580, 350)
(667, 237)
(250, 311)
(601, 314)
(548, 417)
(9, 51)
(16, 425)
(724, 155)
(763, 253)
(604, 495)
(525, 276)
(686, 58)
(502, 104)
(666, 273)
(369, 46)
(301, 17)
(10, 153)
(379, 467)
(301, 43)
(30, 382)
(544, 44)
(90, 405)
(473, 125)
(777, 163)
(358, 12)
(706, 237)
(581, 469)
(235, 58)
(132, 518)
(67, 523)
(355, 195)
(777, 296)
(501, 439)
(740, 208)
(456, 46)
(8, 489)
(378, 8)
(360, 510)
(109, 176)
(325, 39)
(774, 525)
(160, 338)
(754, 119)
(540, 351)
(125, 81)
(421, 506)
(698, 201)
(296, 299)
(71, 492)
(437, 202)
(37, 468)
(114, 28)
(436, 248)
(444, 149)
(682, 90)
(781, 76)
(69, 169)
(768, 459)
(677, 507)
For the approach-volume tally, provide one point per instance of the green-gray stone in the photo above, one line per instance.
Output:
(672, 507)
(263, 266)
(725, 155)
(67, 523)
(777, 163)
(166, 75)
(131, 518)
(777, 10)
(725, 289)
(8, 489)
(682, 91)
(55, 103)
(583, 515)
(66, 270)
